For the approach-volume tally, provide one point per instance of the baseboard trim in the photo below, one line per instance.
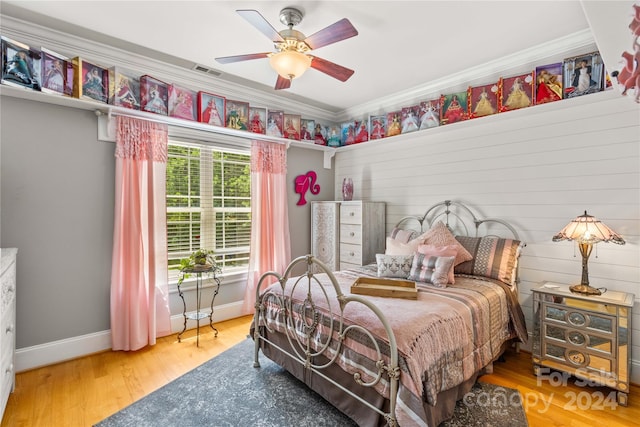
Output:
(71, 348)
(59, 351)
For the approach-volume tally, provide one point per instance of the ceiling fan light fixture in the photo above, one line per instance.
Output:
(290, 59)
(290, 64)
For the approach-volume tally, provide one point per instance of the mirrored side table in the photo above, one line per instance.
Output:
(586, 336)
(202, 273)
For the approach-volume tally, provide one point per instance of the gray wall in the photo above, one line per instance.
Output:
(57, 209)
(300, 161)
(56, 199)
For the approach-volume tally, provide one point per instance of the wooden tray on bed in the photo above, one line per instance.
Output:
(385, 288)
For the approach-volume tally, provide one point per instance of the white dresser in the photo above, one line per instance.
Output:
(347, 234)
(7, 323)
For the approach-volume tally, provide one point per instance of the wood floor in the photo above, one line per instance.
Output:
(84, 391)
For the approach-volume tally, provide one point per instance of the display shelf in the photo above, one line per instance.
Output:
(190, 128)
(494, 119)
(105, 112)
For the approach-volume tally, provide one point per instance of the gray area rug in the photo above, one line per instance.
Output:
(228, 391)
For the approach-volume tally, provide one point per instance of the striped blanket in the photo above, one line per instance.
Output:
(444, 337)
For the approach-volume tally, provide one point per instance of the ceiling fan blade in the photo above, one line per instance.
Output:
(334, 70)
(282, 83)
(333, 33)
(257, 20)
(238, 58)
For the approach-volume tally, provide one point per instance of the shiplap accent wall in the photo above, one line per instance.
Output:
(537, 168)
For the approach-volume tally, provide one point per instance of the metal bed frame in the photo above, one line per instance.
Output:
(302, 346)
(301, 338)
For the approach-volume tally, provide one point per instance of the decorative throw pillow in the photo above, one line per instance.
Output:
(398, 266)
(444, 251)
(395, 247)
(403, 236)
(439, 235)
(493, 257)
(431, 269)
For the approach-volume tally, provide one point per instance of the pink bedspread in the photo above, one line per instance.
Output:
(444, 337)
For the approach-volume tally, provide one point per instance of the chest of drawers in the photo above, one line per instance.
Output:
(586, 336)
(347, 234)
(7, 323)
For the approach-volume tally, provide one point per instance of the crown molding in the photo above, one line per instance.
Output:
(108, 56)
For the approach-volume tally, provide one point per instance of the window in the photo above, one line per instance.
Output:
(208, 205)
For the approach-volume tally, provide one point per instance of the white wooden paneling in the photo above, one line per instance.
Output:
(538, 168)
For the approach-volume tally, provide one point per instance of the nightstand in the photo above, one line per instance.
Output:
(586, 336)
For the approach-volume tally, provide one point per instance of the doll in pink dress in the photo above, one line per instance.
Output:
(183, 106)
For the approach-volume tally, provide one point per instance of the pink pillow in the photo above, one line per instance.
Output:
(439, 235)
(441, 251)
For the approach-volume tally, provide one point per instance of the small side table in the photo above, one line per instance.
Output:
(586, 336)
(199, 270)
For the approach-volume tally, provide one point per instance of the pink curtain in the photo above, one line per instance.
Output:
(139, 294)
(270, 244)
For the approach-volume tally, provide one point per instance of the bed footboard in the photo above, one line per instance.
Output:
(311, 316)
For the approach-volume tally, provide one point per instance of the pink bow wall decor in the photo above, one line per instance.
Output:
(304, 183)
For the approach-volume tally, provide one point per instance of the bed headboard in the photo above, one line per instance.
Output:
(460, 219)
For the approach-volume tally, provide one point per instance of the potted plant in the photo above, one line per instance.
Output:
(202, 258)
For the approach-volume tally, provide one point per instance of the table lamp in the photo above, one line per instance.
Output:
(587, 230)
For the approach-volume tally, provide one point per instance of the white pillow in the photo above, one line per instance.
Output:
(395, 247)
(398, 266)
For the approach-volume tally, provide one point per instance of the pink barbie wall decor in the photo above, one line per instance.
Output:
(304, 183)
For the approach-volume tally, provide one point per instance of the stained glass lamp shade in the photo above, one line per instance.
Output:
(586, 230)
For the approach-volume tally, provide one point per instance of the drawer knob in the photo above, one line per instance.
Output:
(351, 253)
(9, 369)
(352, 213)
(352, 234)
(9, 329)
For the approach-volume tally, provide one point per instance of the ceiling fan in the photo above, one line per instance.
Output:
(292, 57)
